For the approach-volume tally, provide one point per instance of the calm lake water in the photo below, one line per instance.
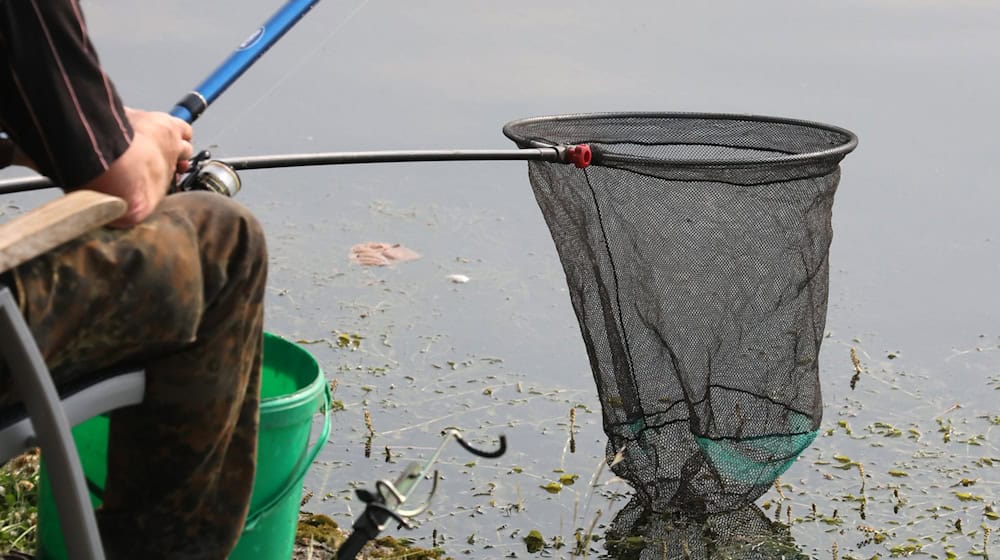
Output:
(915, 259)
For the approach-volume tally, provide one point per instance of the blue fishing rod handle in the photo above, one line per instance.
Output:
(194, 103)
(182, 113)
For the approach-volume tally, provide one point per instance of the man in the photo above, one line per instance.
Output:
(176, 285)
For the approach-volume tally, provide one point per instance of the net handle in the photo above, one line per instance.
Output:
(579, 155)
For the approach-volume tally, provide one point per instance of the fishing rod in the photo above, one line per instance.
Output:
(579, 155)
(219, 175)
(389, 497)
(194, 103)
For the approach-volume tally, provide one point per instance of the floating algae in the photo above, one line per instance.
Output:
(318, 537)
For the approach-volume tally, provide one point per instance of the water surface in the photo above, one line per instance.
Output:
(914, 260)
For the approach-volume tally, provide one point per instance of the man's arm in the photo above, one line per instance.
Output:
(58, 105)
(141, 176)
(64, 113)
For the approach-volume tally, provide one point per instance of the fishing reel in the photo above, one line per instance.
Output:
(207, 174)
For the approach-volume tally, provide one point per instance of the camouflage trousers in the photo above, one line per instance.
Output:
(182, 295)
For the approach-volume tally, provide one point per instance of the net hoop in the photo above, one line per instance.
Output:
(840, 141)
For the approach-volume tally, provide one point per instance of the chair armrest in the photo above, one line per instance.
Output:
(54, 223)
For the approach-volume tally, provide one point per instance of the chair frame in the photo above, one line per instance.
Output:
(50, 417)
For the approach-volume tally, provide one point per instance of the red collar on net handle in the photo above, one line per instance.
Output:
(579, 155)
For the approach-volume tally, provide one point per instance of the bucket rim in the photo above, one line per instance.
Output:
(310, 392)
(850, 140)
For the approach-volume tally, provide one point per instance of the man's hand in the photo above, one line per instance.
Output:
(160, 149)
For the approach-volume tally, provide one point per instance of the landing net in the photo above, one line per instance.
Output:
(695, 250)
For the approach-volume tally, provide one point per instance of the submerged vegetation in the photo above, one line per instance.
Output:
(918, 478)
(897, 471)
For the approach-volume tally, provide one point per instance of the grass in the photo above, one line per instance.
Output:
(19, 505)
(317, 537)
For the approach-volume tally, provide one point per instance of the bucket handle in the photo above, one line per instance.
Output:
(300, 471)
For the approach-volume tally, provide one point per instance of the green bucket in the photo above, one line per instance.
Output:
(293, 389)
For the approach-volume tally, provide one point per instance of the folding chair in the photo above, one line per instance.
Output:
(47, 413)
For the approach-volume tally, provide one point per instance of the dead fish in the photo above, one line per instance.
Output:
(458, 278)
(381, 254)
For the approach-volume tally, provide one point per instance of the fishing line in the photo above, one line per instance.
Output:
(295, 68)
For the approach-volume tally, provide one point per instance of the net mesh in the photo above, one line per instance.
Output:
(695, 250)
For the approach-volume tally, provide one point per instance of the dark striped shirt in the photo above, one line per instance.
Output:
(56, 103)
